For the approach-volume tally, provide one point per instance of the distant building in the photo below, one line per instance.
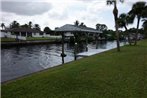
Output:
(22, 33)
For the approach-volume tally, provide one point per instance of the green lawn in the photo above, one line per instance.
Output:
(40, 38)
(105, 75)
(31, 39)
(8, 39)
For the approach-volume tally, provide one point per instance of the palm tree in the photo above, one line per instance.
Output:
(14, 24)
(82, 24)
(115, 13)
(37, 27)
(137, 11)
(98, 26)
(2, 25)
(145, 27)
(30, 24)
(123, 21)
(76, 23)
(101, 27)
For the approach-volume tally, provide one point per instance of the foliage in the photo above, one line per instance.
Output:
(82, 24)
(47, 30)
(2, 25)
(14, 24)
(76, 23)
(137, 11)
(25, 26)
(101, 27)
(37, 27)
(109, 34)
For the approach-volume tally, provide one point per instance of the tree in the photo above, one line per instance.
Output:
(98, 26)
(115, 13)
(101, 27)
(123, 21)
(145, 24)
(25, 26)
(82, 24)
(104, 27)
(37, 27)
(137, 11)
(145, 28)
(14, 24)
(3, 25)
(30, 24)
(47, 30)
(76, 23)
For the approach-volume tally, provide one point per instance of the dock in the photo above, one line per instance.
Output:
(91, 52)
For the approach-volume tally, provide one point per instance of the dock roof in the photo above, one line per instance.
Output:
(74, 28)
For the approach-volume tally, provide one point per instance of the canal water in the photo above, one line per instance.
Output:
(20, 61)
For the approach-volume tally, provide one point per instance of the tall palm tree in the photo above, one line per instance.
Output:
(115, 13)
(3, 25)
(137, 11)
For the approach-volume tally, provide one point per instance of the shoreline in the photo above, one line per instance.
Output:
(10, 44)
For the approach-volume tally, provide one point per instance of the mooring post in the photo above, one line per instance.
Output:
(96, 41)
(62, 54)
(86, 42)
(75, 51)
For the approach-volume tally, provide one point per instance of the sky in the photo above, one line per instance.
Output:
(56, 13)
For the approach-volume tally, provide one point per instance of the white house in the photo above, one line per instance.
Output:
(23, 33)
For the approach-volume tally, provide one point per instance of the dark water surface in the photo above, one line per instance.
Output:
(19, 61)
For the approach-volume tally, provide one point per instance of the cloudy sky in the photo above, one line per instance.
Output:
(56, 13)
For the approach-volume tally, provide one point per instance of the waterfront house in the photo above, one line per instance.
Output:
(23, 33)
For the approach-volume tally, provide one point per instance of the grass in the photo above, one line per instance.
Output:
(31, 39)
(40, 38)
(8, 39)
(105, 75)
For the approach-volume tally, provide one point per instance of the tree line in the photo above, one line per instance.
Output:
(16, 24)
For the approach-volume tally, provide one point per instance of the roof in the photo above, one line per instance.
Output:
(22, 30)
(73, 28)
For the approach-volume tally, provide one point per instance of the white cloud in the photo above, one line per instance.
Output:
(25, 8)
(67, 11)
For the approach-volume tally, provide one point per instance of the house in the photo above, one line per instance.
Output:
(23, 33)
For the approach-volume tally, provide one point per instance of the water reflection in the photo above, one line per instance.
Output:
(19, 61)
